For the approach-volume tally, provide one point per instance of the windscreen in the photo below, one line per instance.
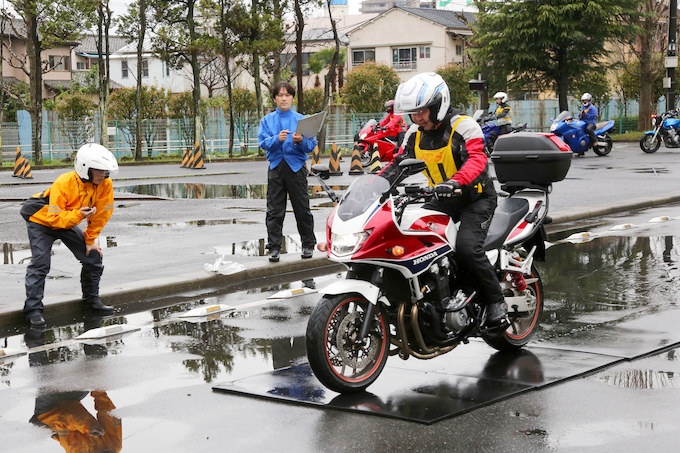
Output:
(360, 195)
(563, 116)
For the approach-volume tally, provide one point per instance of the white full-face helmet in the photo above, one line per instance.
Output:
(94, 156)
(424, 90)
(587, 97)
(502, 95)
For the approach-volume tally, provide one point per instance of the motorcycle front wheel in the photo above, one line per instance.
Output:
(341, 363)
(523, 328)
(604, 150)
(650, 145)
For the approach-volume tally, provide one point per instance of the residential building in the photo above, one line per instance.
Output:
(436, 38)
(379, 6)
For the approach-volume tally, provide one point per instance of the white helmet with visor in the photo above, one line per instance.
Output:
(426, 90)
(94, 156)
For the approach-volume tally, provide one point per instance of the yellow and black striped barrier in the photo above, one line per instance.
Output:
(22, 167)
(355, 167)
(374, 166)
(193, 159)
(334, 164)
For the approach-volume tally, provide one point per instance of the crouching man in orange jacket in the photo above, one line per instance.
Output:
(86, 193)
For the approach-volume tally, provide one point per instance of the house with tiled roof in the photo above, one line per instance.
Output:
(411, 40)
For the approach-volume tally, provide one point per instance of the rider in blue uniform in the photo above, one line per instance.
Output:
(588, 114)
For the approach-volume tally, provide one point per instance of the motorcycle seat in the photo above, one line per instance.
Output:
(508, 212)
(601, 125)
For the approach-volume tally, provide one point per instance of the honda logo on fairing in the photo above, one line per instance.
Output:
(425, 258)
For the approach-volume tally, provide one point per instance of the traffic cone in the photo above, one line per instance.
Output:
(355, 167)
(334, 164)
(316, 159)
(374, 166)
(196, 158)
(186, 155)
(22, 167)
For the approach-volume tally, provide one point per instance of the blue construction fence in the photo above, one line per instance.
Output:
(167, 136)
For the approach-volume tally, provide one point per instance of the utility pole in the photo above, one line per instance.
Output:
(671, 58)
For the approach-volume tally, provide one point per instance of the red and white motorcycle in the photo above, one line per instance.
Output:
(404, 293)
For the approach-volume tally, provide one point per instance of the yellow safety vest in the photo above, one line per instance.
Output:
(440, 165)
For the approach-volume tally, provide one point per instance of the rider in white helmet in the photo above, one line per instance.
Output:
(588, 113)
(452, 146)
(503, 114)
(83, 194)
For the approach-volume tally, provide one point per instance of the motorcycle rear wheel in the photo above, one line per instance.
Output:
(650, 145)
(522, 330)
(340, 363)
(604, 150)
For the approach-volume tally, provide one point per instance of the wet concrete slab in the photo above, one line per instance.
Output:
(469, 378)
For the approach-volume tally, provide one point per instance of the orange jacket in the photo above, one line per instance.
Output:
(66, 196)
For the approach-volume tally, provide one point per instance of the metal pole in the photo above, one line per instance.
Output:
(672, 52)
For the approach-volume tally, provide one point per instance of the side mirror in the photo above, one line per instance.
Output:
(412, 166)
(321, 170)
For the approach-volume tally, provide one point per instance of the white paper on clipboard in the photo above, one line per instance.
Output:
(310, 126)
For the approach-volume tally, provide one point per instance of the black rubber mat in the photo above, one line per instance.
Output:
(470, 377)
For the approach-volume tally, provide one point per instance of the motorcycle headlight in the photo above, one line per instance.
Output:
(553, 127)
(347, 244)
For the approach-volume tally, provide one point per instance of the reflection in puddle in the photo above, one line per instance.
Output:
(199, 223)
(21, 253)
(608, 277)
(641, 379)
(199, 191)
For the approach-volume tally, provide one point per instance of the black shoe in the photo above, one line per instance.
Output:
(99, 306)
(274, 255)
(35, 319)
(496, 313)
(307, 252)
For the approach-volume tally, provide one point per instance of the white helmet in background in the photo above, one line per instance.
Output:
(94, 156)
(503, 96)
(587, 97)
(424, 90)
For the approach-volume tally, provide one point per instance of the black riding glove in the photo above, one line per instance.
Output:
(447, 189)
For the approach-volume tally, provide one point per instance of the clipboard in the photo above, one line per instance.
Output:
(310, 126)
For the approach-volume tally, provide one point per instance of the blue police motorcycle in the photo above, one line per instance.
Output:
(488, 125)
(573, 132)
(665, 127)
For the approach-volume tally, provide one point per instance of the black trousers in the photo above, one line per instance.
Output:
(41, 239)
(590, 132)
(475, 219)
(282, 182)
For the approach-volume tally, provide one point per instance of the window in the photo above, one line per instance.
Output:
(80, 65)
(361, 56)
(459, 50)
(166, 71)
(290, 60)
(424, 51)
(404, 59)
(60, 62)
(145, 68)
(124, 70)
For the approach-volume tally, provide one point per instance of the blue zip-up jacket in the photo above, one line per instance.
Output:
(588, 113)
(295, 154)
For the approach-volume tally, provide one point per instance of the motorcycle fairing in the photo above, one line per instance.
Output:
(603, 127)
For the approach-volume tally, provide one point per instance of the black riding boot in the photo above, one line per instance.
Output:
(89, 281)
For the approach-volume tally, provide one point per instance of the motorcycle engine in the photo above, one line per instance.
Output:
(457, 317)
(673, 136)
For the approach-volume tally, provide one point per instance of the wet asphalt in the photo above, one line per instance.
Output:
(159, 247)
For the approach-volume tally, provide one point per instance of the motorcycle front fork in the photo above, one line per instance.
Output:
(377, 280)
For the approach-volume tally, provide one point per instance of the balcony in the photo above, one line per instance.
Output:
(405, 65)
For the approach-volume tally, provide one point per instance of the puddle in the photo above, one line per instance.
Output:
(21, 253)
(652, 170)
(202, 191)
(641, 379)
(199, 223)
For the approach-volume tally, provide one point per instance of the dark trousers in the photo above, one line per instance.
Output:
(590, 132)
(282, 182)
(475, 219)
(41, 239)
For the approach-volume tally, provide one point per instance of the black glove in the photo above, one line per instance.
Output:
(447, 189)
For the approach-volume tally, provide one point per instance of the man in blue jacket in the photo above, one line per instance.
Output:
(287, 176)
(588, 114)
